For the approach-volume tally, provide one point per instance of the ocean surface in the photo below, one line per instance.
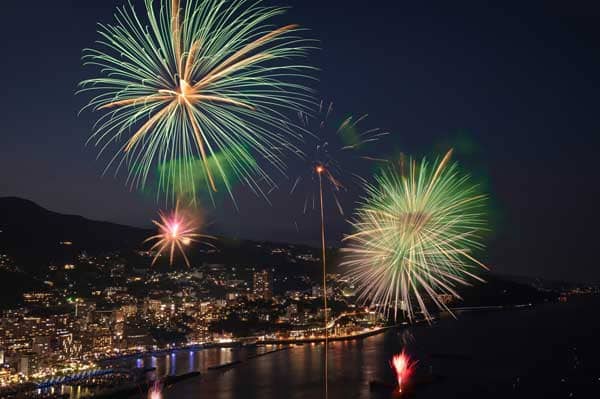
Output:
(545, 351)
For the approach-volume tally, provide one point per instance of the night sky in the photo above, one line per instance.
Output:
(514, 90)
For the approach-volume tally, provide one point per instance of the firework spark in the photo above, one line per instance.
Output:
(187, 80)
(414, 235)
(332, 150)
(403, 368)
(175, 232)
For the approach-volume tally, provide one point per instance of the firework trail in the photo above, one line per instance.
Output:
(185, 81)
(175, 232)
(326, 147)
(414, 236)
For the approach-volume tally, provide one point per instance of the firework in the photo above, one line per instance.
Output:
(332, 152)
(328, 147)
(175, 232)
(414, 236)
(403, 368)
(155, 390)
(186, 80)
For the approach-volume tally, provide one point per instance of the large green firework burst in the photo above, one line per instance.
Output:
(414, 236)
(184, 81)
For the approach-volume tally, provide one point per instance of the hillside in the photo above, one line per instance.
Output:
(34, 236)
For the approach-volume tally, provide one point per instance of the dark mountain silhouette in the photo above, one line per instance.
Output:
(34, 236)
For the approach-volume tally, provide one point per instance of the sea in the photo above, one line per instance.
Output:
(549, 350)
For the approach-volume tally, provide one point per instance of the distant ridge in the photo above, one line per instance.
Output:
(35, 237)
(32, 234)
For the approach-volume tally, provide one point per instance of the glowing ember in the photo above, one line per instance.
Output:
(403, 367)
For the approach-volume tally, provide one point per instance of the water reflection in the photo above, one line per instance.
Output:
(172, 363)
(475, 355)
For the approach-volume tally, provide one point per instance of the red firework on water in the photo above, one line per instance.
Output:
(155, 390)
(403, 367)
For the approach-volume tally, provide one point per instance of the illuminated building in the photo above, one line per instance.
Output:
(136, 339)
(262, 285)
(38, 298)
(129, 310)
(152, 306)
(101, 340)
(42, 345)
(23, 365)
(291, 311)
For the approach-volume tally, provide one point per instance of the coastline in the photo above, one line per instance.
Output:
(253, 342)
(125, 390)
(132, 389)
(247, 342)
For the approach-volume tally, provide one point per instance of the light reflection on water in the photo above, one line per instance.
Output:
(186, 361)
(545, 351)
(483, 355)
(172, 363)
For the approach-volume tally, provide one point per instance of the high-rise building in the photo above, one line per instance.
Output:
(129, 310)
(263, 286)
(23, 365)
(291, 311)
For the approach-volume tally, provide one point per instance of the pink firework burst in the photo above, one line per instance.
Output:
(175, 231)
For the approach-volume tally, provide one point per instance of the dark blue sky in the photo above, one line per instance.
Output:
(518, 85)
